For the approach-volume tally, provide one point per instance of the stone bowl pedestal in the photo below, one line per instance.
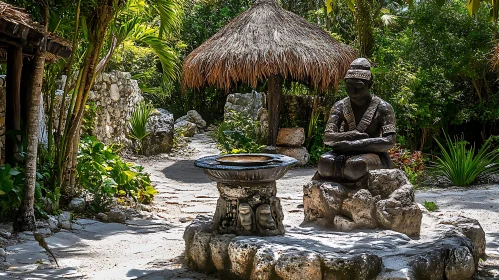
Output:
(247, 184)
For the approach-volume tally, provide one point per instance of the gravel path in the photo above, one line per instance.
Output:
(152, 248)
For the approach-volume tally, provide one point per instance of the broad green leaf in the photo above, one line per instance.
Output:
(329, 6)
(473, 6)
(130, 175)
(1, 192)
(351, 5)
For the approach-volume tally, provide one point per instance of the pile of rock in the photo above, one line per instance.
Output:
(160, 129)
(190, 124)
(289, 143)
(386, 201)
(450, 250)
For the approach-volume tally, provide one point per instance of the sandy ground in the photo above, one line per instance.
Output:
(152, 248)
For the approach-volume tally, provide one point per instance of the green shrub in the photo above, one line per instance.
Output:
(430, 206)
(238, 135)
(138, 121)
(463, 166)
(315, 139)
(11, 191)
(102, 173)
(412, 163)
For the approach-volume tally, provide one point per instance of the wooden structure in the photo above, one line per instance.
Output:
(21, 40)
(269, 43)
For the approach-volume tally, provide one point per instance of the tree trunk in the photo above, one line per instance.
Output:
(98, 26)
(365, 29)
(274, 98)
(13, 108)
(25, 218)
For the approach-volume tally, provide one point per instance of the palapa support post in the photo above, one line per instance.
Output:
(25, 217)
(274, 105)
(13, 95)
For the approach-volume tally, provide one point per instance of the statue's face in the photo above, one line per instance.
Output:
(245, 215)
(357, 89)
(264, 217)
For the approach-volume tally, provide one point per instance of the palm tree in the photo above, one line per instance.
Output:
(97, 27)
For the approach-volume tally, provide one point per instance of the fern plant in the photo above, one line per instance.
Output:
(138, 122)
(464, 166)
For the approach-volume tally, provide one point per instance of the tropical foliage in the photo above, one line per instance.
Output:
(238, 135)
(138, 122)
(462, 165)
(104, 175)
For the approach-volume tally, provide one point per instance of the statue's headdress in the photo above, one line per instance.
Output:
(360, 69)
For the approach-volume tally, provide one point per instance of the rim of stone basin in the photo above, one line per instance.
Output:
(275, 160)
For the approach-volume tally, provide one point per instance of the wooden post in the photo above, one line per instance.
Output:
(13, 102)
(274, 106)
(25, 218)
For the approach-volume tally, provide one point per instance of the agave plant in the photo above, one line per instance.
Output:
(464, 166)
(138, 121)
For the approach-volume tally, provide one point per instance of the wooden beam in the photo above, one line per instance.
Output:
(274, 106)
(13, 101)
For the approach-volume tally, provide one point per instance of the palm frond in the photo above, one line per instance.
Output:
(170, 13)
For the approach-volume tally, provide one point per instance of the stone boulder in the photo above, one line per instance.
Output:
(116, 216)
(387, 203)
(187, 128)
(194, 117)
(247, 104)
(77, 205)
(291, 137)
(299, 153)
(160, 127)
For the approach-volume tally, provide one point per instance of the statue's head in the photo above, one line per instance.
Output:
(245, 216)
(359, 79)
(264, 217)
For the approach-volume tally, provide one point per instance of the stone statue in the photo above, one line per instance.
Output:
(246, 217)
(264, 217)
(360, 129)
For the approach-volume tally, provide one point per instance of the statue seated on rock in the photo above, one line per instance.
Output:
(355, 186)
(360, 129)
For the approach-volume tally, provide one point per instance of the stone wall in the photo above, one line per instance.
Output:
(2, 119)
(114, 95)
(113, 98)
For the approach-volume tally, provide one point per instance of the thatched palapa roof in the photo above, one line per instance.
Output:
(267, 40)
(18, 28)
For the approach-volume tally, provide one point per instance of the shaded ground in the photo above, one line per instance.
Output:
(152, 248)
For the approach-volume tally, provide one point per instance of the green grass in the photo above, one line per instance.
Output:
(430, 206)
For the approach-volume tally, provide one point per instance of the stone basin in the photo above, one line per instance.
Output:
(251, 168)
(247, 185)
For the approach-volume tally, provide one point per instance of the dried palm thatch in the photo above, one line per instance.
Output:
(18, 16)
(263, 41)
(18, 28)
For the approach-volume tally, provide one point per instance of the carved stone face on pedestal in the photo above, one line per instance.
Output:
(264, 217)
(245, 216)
(360, 130)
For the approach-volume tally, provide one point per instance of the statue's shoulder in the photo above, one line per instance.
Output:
(340, 103)
(384, 106)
